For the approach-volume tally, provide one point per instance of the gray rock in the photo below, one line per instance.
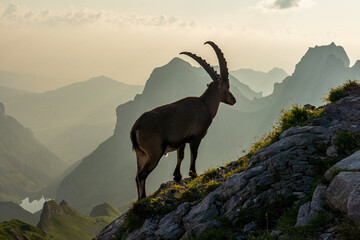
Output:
(350, 163)
(238, 181)
(145, 232)
(353, 205)
(250, 227)
(318, 198)
(204, 211)
(308, 210)
(169, 227)
(111, 231)
(303, 217)
(331, 151)
(343, 194)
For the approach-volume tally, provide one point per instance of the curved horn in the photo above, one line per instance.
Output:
(224, 72)
(210, 70)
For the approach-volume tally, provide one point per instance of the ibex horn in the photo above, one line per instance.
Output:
(210, 70)
(222, 62)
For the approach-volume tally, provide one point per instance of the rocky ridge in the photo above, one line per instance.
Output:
(253, 193)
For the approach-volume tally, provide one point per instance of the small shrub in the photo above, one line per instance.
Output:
(210, 174)
(348, 229)
(342, 91)
(347, 142)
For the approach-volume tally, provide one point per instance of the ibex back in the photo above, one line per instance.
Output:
(170, 127)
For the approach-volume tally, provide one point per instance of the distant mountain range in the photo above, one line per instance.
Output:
(26, 165)
(260, 81)
(71, 120)
(26, 82)
(108, 173)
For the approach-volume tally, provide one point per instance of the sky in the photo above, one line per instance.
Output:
(70, 41)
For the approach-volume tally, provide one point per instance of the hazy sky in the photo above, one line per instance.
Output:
(74, 40)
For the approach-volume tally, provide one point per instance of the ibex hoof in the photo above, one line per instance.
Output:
(193, 174)
(177, 178)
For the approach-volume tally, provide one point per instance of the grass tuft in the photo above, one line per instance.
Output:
(296, 116)
(342, 91)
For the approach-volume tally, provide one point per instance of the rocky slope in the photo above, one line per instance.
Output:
(278, 191)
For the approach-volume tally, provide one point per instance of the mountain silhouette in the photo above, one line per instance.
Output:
(27, 166)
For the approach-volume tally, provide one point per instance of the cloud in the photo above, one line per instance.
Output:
(284, 4)
(21, 15)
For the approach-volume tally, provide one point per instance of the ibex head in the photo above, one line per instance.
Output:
(220, 82)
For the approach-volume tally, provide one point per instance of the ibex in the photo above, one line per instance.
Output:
(168, 128)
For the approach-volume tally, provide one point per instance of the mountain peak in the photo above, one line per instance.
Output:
(105, 209)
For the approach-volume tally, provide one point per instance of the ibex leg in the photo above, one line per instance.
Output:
(194, 146)
(144, 172)
(180, 157)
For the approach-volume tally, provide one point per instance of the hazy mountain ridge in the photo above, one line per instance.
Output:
(27, 166)
(260, 81)
(74, 119)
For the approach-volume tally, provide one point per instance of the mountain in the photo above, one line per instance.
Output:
(64, 222)
(107, 175)
(74, 119)
(300, 185)
(260, 81)
(105, 209)
(11, 210)
(27, 166)
(17, 230)
(25, 82)
(320, 69)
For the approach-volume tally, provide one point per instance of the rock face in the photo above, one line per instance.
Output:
(308, 210)
(343, 194)
(282, 171)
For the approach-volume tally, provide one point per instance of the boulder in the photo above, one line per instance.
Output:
(351, 163)
(343, 194)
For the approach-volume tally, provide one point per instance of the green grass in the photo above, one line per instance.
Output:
(17, 230)
(71, 224)
(296, 116)
(342, 91)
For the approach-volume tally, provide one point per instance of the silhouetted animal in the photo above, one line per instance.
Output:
(168, 128)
